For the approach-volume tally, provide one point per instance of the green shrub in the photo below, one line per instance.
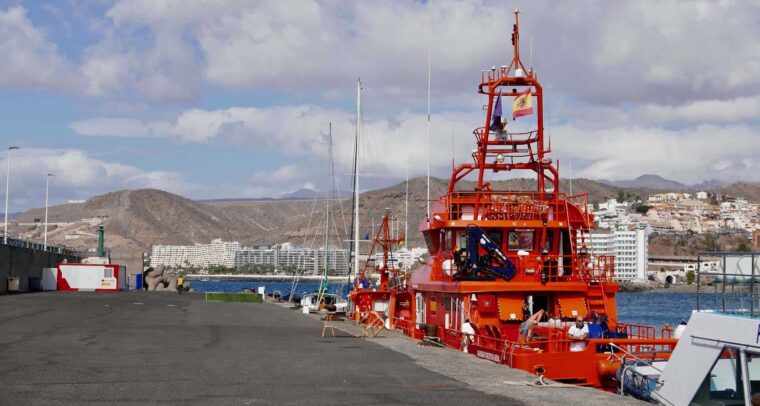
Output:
(233, 297)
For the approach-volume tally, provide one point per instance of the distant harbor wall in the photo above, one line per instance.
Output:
(26, 263)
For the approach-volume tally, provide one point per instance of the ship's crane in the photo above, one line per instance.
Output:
(474, 263)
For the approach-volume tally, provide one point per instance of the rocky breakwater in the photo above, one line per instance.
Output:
(160, 279)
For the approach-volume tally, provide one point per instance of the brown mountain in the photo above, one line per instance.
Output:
(138, 219)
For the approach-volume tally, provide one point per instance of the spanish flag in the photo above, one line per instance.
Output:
(523, 104)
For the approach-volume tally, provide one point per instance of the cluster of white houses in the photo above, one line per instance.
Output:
(233, 255)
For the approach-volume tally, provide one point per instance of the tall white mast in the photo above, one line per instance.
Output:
(327, 202)
(356, 174)
(571, 176)
(406, 208)
(427, 212)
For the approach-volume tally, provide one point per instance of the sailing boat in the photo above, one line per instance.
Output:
(321, 299)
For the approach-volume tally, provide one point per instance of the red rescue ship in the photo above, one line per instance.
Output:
(510, 272)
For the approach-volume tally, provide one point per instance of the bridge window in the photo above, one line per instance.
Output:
(496, 237)
(431, 239)
(520, 240)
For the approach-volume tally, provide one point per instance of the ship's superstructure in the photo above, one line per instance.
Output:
(510, 272)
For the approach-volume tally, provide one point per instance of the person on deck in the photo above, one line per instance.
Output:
(180, 284)
(578, 333)
(468, 334)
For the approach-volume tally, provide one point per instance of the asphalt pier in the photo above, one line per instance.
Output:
(147, 348)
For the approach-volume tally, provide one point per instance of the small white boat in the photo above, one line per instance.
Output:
(316, 302)
(717, 359)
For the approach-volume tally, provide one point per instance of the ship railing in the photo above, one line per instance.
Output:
(638, 330)
(581, 202)
(503, 351)
(503, 137)
(497, 205)
(552, 268)
(600, 268)
(405, 327)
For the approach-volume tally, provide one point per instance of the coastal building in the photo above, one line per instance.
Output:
(199, 255)
(630, 248)
(233, 255)
(310, 260)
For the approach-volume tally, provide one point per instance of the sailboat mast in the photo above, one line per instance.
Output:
(356, 175)
(406, 208)
(327, 200)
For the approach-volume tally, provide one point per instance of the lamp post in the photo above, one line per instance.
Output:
(7, 184)
(47, 189)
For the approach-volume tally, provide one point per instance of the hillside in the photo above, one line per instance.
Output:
(138, 219)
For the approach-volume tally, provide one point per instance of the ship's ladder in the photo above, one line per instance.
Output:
(595, 296)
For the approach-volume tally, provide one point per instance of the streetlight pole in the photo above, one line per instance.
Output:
(47, 189)
(7, 184)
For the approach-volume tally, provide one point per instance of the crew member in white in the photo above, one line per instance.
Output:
(578, 333)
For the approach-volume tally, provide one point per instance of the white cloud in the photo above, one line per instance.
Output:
(30, 59)
(688, 155)
(391, 144)
(606, 53)
(121, 127)
(79, 175)
(703, 111)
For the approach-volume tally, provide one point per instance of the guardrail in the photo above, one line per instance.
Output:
(39, 246)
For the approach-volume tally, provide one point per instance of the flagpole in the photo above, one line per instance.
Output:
(428, 119)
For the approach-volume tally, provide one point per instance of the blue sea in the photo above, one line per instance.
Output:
(284, 287)
(647, 308)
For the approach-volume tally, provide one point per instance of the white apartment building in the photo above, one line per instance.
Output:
(310, 260)
(232, 255)
(199, 255)
(630, 249)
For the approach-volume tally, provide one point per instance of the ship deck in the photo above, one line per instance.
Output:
(149, 348)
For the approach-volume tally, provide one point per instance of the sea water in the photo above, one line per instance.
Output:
(645, 308)
(301, 288)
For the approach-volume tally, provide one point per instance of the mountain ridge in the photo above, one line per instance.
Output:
(138, 219)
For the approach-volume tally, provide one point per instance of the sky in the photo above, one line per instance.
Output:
(223, 99)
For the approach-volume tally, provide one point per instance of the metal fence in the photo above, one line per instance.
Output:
(39, 246)
(734, 288)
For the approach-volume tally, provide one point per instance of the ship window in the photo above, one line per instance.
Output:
(753, 367)
(549, 238)
(496, 237)
(520, 240)
(431, 245)
(723, 385)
